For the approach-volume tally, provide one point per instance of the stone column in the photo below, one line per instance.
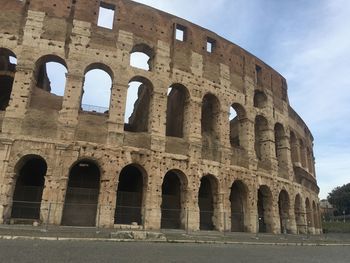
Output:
(20, 99)
(4, 158)
(116, 113)
(68, 116)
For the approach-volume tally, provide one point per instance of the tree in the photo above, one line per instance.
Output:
(340, 198)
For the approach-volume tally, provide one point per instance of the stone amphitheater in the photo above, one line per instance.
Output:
(211, 144)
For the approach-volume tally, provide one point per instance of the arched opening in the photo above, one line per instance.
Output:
(294, 148)
(8, 63)
(173, 200)
(261, 137)
(141, 57)
(237, 115)
(50, 81)
(206, 202)
(283, 208)
(309, 219)
(138, 105)
(130, 196)
(260, 99)
(280, 146)
(31, 171)
(302, 154)
(80, 206)
(210, 127)
(96, 93)
(238, 199)
(177, 111)
(265, 209)
(298, 211)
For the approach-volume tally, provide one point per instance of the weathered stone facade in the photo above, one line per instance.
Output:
(179, 156)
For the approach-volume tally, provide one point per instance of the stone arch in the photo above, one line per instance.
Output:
(237, 116)
(261, 129)
(101, 74)
(44, 93)
(239, 206)
(299, 214)
(207, 202)
(30, 172)
(260, 99)
(140, 95)
(281, 146)
(210, 126)
(81, 200)
(7, 75)
(174, 195)
(265, 209)
(131, 193)
(142, 57)
(283, 208)
(178, 111)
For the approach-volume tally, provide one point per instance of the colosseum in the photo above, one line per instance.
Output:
(211, 142)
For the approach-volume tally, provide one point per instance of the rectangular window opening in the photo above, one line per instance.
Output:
(106, 15)
(210, 45)
(180, 33)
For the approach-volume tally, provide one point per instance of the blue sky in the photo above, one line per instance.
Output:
(308, 42)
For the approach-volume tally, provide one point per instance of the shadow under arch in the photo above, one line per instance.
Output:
(81, 200)
(30, 173)
(238, 200)
(207, 202)
(131, 194)
(174, 190)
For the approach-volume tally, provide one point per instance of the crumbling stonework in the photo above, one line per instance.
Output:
(180, 162)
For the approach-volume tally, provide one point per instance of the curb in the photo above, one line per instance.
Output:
(177, 241)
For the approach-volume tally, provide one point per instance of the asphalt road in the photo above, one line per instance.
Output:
(87, 251)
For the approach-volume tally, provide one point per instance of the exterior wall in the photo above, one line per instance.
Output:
(68, 30)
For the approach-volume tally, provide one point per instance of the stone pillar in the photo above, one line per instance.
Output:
(68, 116)
(194, 136)
(20, 98)
(116, 113)
(251, 216)
(4, 158)
(291, 222)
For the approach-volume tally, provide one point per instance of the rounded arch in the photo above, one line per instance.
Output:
(142, 56)
(139, 99)
(237, 115)
(260, 99)
(131, 191)
(315, 215)
(98, 83)
(239, 206)
(30, 173)
(49, 82)
(174, 190)
(5, 60)
(178, 111)
(265, 209)
(100, 66)
(81, 200)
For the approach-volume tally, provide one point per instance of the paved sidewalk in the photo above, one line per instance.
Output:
(175, 236)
